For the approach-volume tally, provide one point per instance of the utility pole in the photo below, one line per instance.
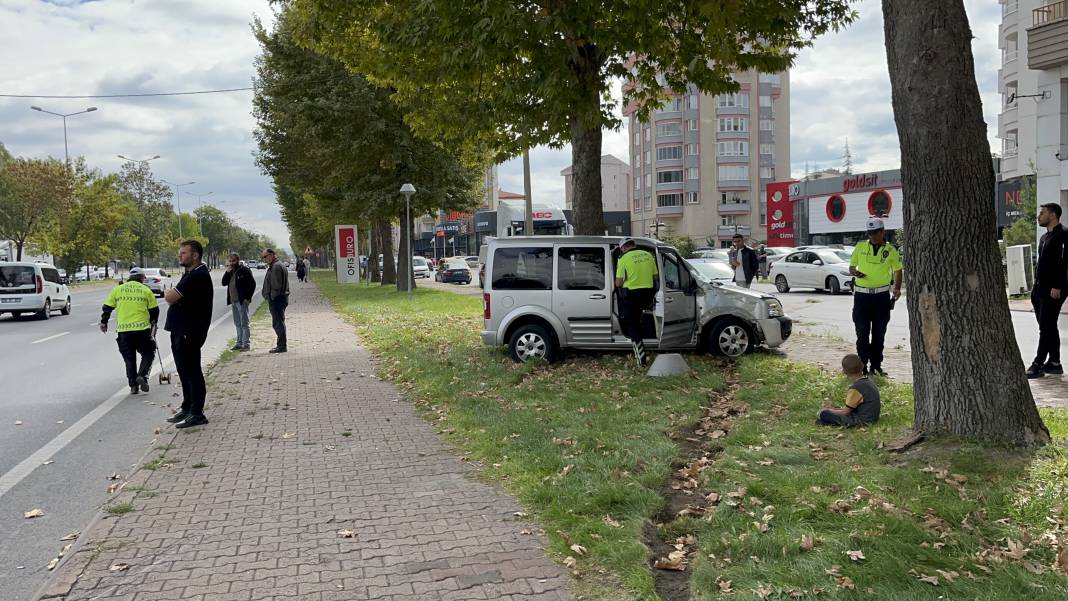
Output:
(528, 224)
(66, 153)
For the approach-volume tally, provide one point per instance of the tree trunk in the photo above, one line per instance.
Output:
(372, 253)
(969, 379)
(385, 239)
(404, 258)
(586, 147)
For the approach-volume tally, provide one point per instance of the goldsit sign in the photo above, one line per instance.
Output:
(346, 256)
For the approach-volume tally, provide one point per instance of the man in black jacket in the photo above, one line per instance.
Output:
(744, 261)
(276, 293)
(1051, 286)
(239, 290)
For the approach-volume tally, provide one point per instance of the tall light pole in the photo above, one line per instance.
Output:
(407, 190)
(178, 201)
(66, 153)
(200, 205)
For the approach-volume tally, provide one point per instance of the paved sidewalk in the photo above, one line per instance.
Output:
(255, 505)
(827, 353)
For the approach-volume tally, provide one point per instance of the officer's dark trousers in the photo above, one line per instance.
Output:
(633, 303)
(1047, 311)
(136, 343)
(278, 306)
(186, 352)
(871, 314)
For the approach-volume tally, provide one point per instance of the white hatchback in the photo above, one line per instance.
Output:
(32, 288)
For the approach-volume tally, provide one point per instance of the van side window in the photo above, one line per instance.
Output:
(50, 275)
(672, 273)
(580, 269)
(523, 268)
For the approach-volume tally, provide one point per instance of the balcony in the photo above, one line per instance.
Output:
(732, 110)
(726, 231)
(733, 184)
(1047, 39)
(734, 208)
(669, 211)
(1009, 7)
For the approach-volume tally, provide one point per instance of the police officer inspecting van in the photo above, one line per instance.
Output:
(636, 278)
(137, 314)
(876, 265)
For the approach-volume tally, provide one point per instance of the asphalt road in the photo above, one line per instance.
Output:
(65, 382)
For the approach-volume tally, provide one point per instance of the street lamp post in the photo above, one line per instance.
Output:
(407, 190)
(66, 153)
(178, 201)
(200, 206)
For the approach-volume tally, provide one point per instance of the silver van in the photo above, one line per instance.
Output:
(542, 294)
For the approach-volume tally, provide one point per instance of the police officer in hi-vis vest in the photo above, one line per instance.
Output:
(876, 265)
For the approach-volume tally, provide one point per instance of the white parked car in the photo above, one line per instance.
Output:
(158, 280)
(820, 268)
(420, 268)
(32, 288)
(778, 253)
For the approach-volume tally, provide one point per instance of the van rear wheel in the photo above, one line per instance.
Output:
(532, 342)
(46, 313)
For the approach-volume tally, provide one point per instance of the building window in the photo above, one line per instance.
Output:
(638, 182)
(879, 203)
(669, 129)
(836, 209)
(732, 124)
(693, 198)
(648, 203)
(693, 100)
(669, 200)
(728, 219)
(637, 203)
(669, 177)
(733, 148)
(732, 198)
(637, 139)
(741, 100)
(766, 125)
(765, 101)
(648, 134)
(669, 153)
(692, 172)
(763, 212)
(767, 149)
(767, 173)
(691, 124)
(648, 156)
(1008, 143)
(648, 180)
(772, 78)
(691, 149)
(734, 172)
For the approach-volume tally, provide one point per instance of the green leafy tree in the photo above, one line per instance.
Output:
(97, 228)
(154, 210)
(511, 75)
(34, 193)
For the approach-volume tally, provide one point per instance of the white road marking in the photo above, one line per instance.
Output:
(64, 438)
(50, 337)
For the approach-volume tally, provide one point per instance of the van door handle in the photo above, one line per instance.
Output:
(598, 297)
(669, 299)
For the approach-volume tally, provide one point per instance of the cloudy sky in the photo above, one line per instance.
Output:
(840, 91)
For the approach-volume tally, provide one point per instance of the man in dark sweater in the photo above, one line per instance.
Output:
(240, 286)
(1051, 286)
(276, 292)
(188, 321)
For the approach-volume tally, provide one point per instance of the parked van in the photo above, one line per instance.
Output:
(32, 288)
(542, 294)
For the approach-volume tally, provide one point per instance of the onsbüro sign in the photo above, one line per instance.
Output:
(347, 259)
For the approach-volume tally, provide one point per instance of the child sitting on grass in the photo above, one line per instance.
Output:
(862, 399)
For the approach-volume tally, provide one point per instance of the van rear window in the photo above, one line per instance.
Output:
(13, 276)
(523, 268)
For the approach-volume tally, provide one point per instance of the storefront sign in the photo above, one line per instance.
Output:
(1009, 200)
(780, 214)
(345, 254)
(860, 182)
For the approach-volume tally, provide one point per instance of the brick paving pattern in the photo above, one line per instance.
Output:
(827, 353)
(241, 517)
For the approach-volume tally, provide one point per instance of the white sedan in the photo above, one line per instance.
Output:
(822, 269)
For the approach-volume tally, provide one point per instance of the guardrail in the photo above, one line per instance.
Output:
(1050, 13)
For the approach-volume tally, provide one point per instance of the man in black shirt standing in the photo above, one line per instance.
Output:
(1051, 286)
(187, 320)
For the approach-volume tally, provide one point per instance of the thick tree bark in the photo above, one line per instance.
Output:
(385, 239)
(969, 378)
(373, 252)
(586, 143)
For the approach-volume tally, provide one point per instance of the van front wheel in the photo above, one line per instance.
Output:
(730, 338)
(532, 342)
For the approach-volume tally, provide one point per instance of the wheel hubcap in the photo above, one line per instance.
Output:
(530, 346)
(733, 341)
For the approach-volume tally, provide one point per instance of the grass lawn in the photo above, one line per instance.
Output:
(772, 505)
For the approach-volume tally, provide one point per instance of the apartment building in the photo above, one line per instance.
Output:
(1018, 118)
(701, 163)
(615, 184)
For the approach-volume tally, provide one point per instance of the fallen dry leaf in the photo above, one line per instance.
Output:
(346, 534)
(724, 586)
(288, 435)
(114, 477)
(524, 531)
(1014, 549)
(932, 580)
(71, 536)
(112, 488)
(520, 514)
(1060, 564)
(676, 560)
(610, 522)
(857, 555)
(49, 462)
(718, 434)
(578, 549)
(52, 564)
(763, 591)
(948, 576)
(119, 567)
(33, 513)
(845, 582)
(570, 562)
(807, 542)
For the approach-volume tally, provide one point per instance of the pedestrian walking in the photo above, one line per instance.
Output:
(135, 325)
(240, 286)
(1047, 295)
(302, 271)
(188, 320)
(744, 261)
(636, 280)
(762, 257)
(276, 292)
(876, 265)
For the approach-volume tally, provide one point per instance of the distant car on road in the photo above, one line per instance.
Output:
(63, 277)
(821, 268)
(158, 280)
(472, 261)
(778, 253)
(32, 288)
(454, 272)
(420, 268)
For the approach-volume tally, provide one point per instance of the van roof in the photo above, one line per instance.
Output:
(528, 240)
(25, 264)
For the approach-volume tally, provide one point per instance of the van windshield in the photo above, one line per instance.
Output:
(16, 276)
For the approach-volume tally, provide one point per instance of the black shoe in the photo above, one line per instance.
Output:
(1034, 372)
(134, 389)
(177, 417)
(866, 372)
(192, 420)
(237, 347)
(1053, 369)
(245, 348)
(277, 350)
(143, 382)
(878, 371)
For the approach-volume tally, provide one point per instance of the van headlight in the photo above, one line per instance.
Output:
(774, 308)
